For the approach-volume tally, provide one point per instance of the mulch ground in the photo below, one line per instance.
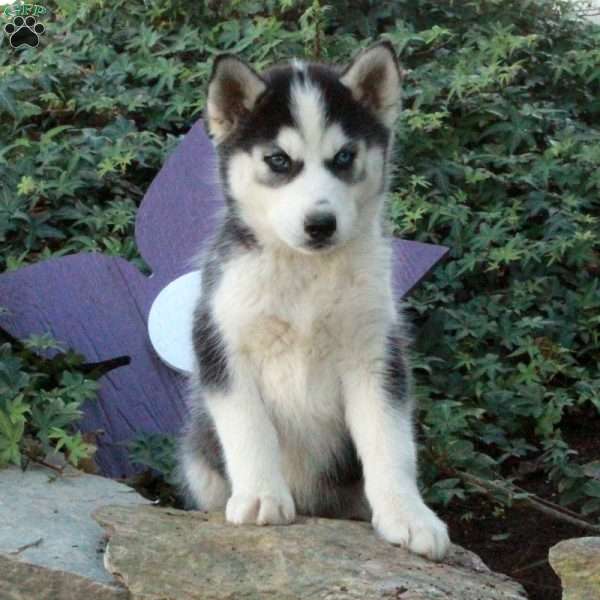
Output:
(516, 540)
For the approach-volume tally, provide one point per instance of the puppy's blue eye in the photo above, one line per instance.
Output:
(279, 162)
(344, 159)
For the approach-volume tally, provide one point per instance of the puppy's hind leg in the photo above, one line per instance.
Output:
(353, 503)
(201, 469)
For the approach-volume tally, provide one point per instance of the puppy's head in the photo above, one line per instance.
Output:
(303, 147)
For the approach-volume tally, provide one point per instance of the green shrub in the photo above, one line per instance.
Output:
(499, 149)
(40, 401)
(155, 451)
(500, 145)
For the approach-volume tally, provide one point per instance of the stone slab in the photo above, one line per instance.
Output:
(24, 581)
(160, 553)
(577, 563)
(45, 519)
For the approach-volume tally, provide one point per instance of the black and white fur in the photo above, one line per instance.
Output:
(301, 398)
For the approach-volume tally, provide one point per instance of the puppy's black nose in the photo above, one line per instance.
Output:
(320, 226)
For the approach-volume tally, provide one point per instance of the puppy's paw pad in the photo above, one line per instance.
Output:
(421, 531)
(261, 509)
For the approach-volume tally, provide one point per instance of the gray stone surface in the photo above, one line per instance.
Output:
(160, 554)
(577, 563)
(23, 581)
(46, 520)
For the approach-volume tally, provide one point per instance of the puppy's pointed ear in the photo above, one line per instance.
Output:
(375, 77)
(232, 93)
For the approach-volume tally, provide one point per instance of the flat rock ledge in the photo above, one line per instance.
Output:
(46, 519)
(25, 581)
(577, 563)
(50, 546)
(166, 554)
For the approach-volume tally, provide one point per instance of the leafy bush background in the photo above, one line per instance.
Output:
(40, 403)
(499, 154)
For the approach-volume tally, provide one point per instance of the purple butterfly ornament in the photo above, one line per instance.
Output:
(100, 305)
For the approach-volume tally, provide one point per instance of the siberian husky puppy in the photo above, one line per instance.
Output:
(301, 400)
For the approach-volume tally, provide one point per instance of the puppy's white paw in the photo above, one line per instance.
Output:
(275, 508)
(415, 526)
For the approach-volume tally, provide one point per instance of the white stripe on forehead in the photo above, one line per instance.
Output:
(330, 141)
(308, 110)
(298, 65)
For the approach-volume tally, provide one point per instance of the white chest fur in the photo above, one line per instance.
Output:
(295, 320)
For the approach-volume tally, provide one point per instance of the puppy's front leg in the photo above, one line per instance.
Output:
(259, 492)
(379, 419)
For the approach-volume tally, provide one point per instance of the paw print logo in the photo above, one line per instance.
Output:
(24, 32)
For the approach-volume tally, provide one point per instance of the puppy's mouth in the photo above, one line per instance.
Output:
(320, 244)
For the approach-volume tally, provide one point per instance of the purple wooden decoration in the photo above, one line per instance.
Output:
(99, 305)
